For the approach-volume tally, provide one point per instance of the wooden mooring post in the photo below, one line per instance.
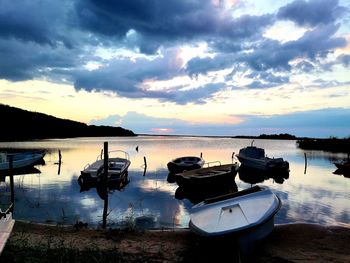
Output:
(11, 183)
(104, 183)
(305, 158)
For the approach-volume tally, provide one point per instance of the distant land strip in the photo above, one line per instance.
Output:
(20, 125)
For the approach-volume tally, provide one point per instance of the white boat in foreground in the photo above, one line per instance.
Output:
(117, 168)
(248, 213)
(6, 225)
(20, 160)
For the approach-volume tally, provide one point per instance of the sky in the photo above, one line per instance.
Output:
(189, 67)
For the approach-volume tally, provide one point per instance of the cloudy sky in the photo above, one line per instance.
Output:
(199, 67)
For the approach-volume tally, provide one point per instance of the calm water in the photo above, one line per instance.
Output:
(150, 200)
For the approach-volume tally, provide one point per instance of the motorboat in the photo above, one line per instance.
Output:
(118, 163)
(208, 176)
(19, 160)
(185, 163)
(254, 157)
(248, 214)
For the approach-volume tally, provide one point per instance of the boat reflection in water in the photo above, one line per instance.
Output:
(103, 188)
(253, 176)
(343, 172)
(197, 195)
(21, 171)
(343, 168)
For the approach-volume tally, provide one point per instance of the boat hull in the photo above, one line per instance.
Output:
(210, 177)
(249, 215)
(25, 160)
(264, 164)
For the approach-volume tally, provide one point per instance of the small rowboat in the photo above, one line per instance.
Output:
(248, 214)
(207, 177)
(185, 163)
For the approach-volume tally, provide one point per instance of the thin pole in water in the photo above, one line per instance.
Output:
(11, 182)
(305, 163)
(104, 183)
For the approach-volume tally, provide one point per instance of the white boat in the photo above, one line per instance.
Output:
(20, 160)
(6, 225)
(185, 163)
(117, 167)
(254, 157)
(249, 214)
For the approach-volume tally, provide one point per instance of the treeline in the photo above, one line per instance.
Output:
(18, 124)
(281, 136)
(330, 144)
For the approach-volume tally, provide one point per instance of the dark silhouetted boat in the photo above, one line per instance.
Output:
(185, 163)
(254, 157)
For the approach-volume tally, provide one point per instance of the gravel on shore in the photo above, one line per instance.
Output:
(31, 242)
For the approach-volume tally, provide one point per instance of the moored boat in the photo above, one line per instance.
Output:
(208, 176)
(19, 160)
(116, 170)
(254, 157)
(185, 163)
(249, 214)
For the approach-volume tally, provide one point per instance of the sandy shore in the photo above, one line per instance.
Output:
(287, 243)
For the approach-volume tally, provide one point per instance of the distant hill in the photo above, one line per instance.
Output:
(330, 144)
(282, 136)
(18, 124)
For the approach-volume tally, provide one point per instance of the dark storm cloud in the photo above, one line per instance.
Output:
(34, 20)
(54, 40)
(312, 13)
(23, 61)
(158, 22)
(272, 54)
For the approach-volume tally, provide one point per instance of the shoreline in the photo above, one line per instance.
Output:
(294, 242)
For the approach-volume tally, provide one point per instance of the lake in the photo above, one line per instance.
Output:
(51, 193)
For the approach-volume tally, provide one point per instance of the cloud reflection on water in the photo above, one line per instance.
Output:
(319, 196)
